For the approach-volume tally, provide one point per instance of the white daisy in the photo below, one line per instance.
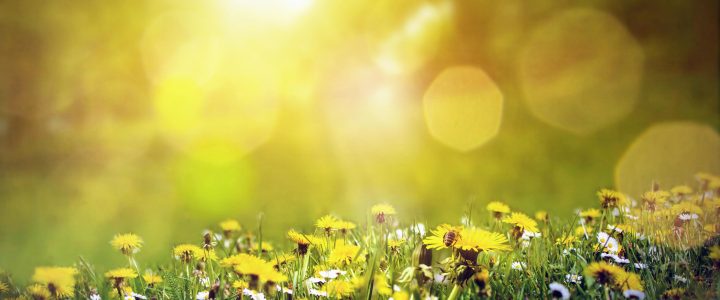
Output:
(285, 290)
(134, 296)
(573, 278)
(318, 293)
(332, 274)
(610, 243)
(559, 291)
(314, 280)
(634, 294)
(516, 265)
(640, 266)
(680, 278)
(253, 294)
(202, 295)
(618, 259)
(687, 216)
(95, 297)
(529, 234)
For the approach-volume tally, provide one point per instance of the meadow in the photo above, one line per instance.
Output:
(662, 244)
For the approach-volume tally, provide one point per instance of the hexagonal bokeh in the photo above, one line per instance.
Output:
(581, 71)
(463, 108)
(670, 154)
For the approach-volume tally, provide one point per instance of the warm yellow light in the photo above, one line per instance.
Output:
(173, 46)
(463, 108)
(409, 47)
(277, 11)
(669, 154)
(178, 105)
(581, 71)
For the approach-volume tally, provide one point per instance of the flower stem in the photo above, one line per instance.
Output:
(455, 292)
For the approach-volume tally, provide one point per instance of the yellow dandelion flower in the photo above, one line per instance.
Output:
(401, 295)
(326, 222)
(590, 214)
(344, 226)
(282, 259)
(686, 207)
(358, 282)
(4, 287)
(443, 236)
(381, 211)
(676, 293)
(207, 255)
(652, 199)
(629, 281)
(38, 291)
(565, 240)
(497, 209)
(394, 244)
(60, 281)
(127, 291)
(609, 198)
(121, 273)
(302, 239)
(382, 286)
(603, 272)
(127, 243)
(714, 253)
(621, 228)
(271, 275)
(710, 181)
(541, 216)
(338, 289)
(187, 252)
(239, 285)
(580, 230)
(152, 279)
(247, 264)
(480, 240)
(384, 209)
(344, 254)
(229, 226)
(264, 247)
(681, 190)
(256, 267)
(522, 221)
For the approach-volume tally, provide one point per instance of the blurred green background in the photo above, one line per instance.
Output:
(163, 117)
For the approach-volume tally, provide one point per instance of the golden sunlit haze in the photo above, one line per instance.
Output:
(162, 117)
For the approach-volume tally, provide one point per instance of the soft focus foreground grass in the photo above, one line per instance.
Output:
(663, 246)
(77, 175)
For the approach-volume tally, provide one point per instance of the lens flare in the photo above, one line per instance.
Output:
(463, 108)
(574, 80)
(669, 154)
